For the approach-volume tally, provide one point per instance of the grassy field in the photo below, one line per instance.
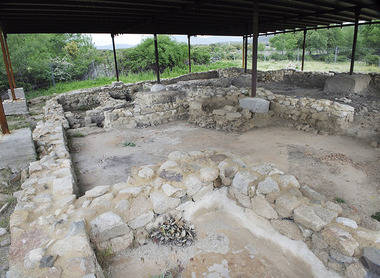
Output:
(262, 65)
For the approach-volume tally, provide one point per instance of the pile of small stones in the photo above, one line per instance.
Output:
(173, 232)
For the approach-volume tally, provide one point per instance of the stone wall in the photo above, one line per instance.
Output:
(322, 115)
(52, 230)
(46, 241)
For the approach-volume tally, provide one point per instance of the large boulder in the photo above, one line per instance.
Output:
(255, 105)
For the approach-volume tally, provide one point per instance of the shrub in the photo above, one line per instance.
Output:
(372, 59)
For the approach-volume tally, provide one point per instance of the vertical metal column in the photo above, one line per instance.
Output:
(357, 13)
(188, 46)
(10, 61)
(3, 120)
(246, 54)
(303, 49)
(243, 52)
(114, 56)
(5, 57)
(255, 37)
(157, 63)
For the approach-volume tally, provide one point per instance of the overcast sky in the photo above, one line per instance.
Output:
(134, 39)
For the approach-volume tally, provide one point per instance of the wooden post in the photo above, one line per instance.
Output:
(303, 48)
(255, 36)
(246, 54)
(157, 62)
(357, 13)
(114, 56)
(188, 46)
(5, 57)
(10, 61)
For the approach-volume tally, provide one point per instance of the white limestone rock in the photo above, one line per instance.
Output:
(255, 105)
(285, 181)
(340, 239)
(62, 186)
(141, 220)
(108, 225)
(347, 222)
(169, 190)
(131, 191)
(146, 173)
(97, 191)
(33, 258)
(193, 184)
(286, 203)
(243, 180)
(209, 174)
(306, 216)
(157, 88)
(162, 203)
(169, 164)
(267, 186)
(262, 207)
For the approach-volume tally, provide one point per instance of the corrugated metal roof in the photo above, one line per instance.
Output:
(218, 17)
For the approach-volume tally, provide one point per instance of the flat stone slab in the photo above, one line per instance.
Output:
(346, 84)
(17, 149)
(19, 92)
(254, 104)
(15, 107)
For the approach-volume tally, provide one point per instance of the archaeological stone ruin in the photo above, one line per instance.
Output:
(194, 206)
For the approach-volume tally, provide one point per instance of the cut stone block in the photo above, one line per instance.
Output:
(19, 92)
(16, 107)
(255, 105)
(345, 83)
(17, 149)
(107, 226)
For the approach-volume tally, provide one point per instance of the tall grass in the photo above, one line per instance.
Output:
(63, 87)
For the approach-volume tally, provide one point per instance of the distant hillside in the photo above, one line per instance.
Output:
(118, 46)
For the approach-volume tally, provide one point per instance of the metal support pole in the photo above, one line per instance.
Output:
(10, 61)
(3, 120)
(188, 46)
(246, 54)
(5, 57)
(255, 35)
(303, 48)
(243, 52)
(114, 56)
(157, 63)
(357, 13)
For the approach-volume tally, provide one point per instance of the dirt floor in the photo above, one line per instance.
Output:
(333, 165)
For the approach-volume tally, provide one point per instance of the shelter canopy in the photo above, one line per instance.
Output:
(217, 17)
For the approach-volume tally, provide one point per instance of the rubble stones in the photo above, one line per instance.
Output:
(242, 181)
(267, 186)
(108, 225)
(347, 222)
(340, 239)
(162, 203)
(261, 206)
(146, 173)
(141, 220)
(306, 216)
(286, 204)
(209, 174)
(97, 191)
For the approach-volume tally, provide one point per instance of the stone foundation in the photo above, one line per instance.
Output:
(58, 232)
